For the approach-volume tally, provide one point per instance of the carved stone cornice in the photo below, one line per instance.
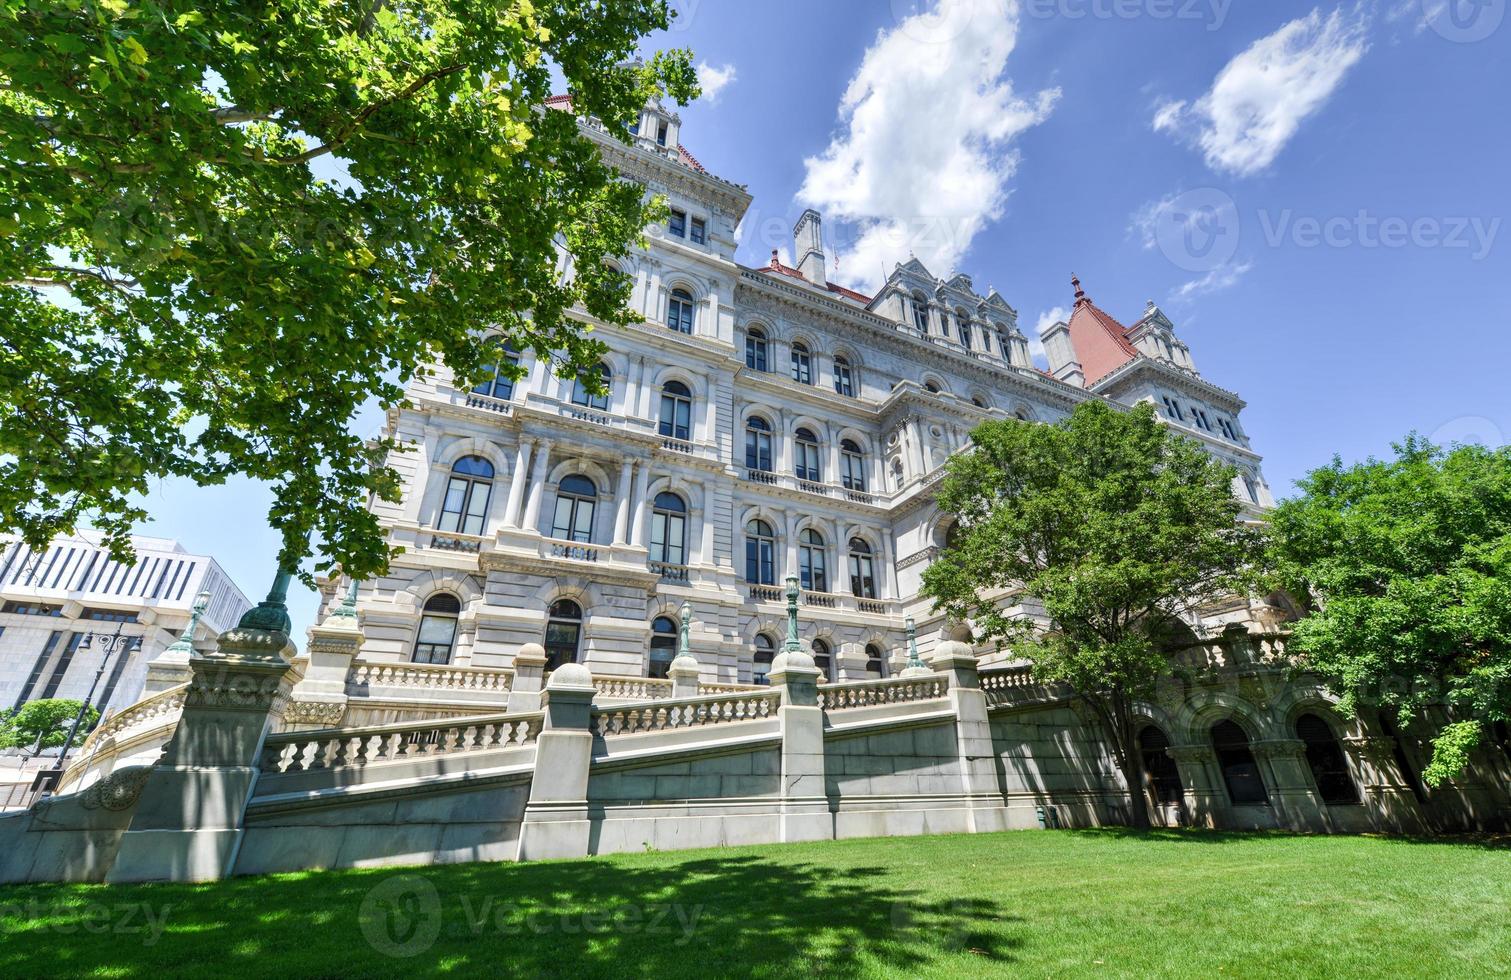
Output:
(533, 564)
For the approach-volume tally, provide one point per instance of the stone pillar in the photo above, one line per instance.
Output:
(986, 806)
(640, 507)
(622, 502)
(537, 488)
(518, 478)
(170, 668)
(850, 660)
(1289, 781)
(805, 804)
(187, 823)
(1205, 796)
(529, 676)
(684, 670)
(1383, 787)
(556, 821)
(888, 584)
(319, 698)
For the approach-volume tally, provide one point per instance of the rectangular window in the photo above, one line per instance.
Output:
(1172, 410)
(678, 223)
(109, 616)
(30, 607)
(661, 134)
(699, 232)
(55, 677)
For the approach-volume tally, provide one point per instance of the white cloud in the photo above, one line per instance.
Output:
(1047, 319)
(923, 158)
(1259, 100)
(714, 80)
(1223, 277)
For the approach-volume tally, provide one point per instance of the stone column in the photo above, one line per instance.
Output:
(888, 585)
(1289, 781)
(1383, 787)
(537, 489)
(529, 676)
(640, 507)
(1205, 796)
(920, 458)
(187, 822)
(319, 698)
(622, 502)
(805, 804)
(986, 806)
(556, 821)
(851, 661)
(517, 480)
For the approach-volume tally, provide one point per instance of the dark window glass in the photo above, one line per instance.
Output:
(581, 395)
(862, 570)
(757, 444)
(437, 632)
(498, 383)
(1239, 770)
(921, 314)
(810, 559)
(823, 661)
(679, 311)
(677, 223)
(852, 466)
(844, 378)
(669, 530)
(698, 233)
(676, 410)
(802, 364)
(663, 646)
(760, 554)
(1325, 758)
(27, 607)
(563, 633)
(805, 456)
(576, 498)
(876, 662)
(756, 349)
(765, 652)
(465, 506)
(1164, 776)
(109, 615)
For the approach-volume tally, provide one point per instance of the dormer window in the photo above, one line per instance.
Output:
(677, 225)
(1172, 409)
(1227, 428)
(920, 313)
(661, 134)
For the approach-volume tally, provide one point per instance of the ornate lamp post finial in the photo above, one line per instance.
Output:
(683, 648)
(185, 641)
(348, 607)
(793, 592)
(272, 613)
(914, 660)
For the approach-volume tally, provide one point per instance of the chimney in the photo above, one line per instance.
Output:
(808, 247)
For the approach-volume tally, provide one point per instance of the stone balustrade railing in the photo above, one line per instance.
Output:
(339, 748)
(891, 690)
(152, 717)
(430, 677)
(1003, 684)
(711, 688)
(636, 719)
(632, 688)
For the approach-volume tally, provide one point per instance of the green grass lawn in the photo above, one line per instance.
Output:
(1055, 903)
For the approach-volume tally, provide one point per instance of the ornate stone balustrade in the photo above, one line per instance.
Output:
(892, 690)
(363, 677)
(566, 549)
(1004, 684)
(345, 747)
(149, 720)
(632, 688)
(677, 446)
(469, 544)
(635, 719)
(669, 572)
(765, 593)
(711, 688)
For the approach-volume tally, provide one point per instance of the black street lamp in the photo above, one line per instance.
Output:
(111, 644)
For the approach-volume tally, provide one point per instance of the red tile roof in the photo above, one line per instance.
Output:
(777, 267)
(1100, 342)
(689, 159)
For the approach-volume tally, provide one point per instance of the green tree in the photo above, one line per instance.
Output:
(1407, 563)
(1117, 526)
(43, 724)
(227, 225)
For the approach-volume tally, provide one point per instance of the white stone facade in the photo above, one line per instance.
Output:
(886, 387)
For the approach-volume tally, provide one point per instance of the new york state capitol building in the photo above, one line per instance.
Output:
(766, 422)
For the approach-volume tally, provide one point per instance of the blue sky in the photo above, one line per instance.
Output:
(1315, 194)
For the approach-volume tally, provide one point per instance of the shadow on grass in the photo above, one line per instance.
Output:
(653, 915)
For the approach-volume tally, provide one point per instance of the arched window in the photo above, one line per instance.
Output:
(500, 383)
(663, 646)
(679, 311)
(952, 535)
(1164, 776)
(896, 473)
(823, 661)
(757, 349)
(1251, 487)
(805, 462)
(465, 507)
(760, 553)
(920, 313)
(676, 410)
(963, 328)
(852, 466)
(1022, 415)
(862, 570)
(810, 561)
(844, 377)
(437, 633)
(1325, 758)
(1004, 343)
(669, 530)
(765, 652)
(978, 401)
(1239, 770)
(563, 633)
(876, 661)
(1408, 769)
(802, 364)
(581, 395)
(757, 444)
(576, 498)
(931, 386)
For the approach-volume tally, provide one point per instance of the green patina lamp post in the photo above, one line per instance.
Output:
(348, 607)
(185, 642)
(684, 649)
(271, 614)
(916, 666)
(793, 646)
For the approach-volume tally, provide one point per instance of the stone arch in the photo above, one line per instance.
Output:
(411, 598)
(584, 466)
(1194, 719)
(930, 377)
